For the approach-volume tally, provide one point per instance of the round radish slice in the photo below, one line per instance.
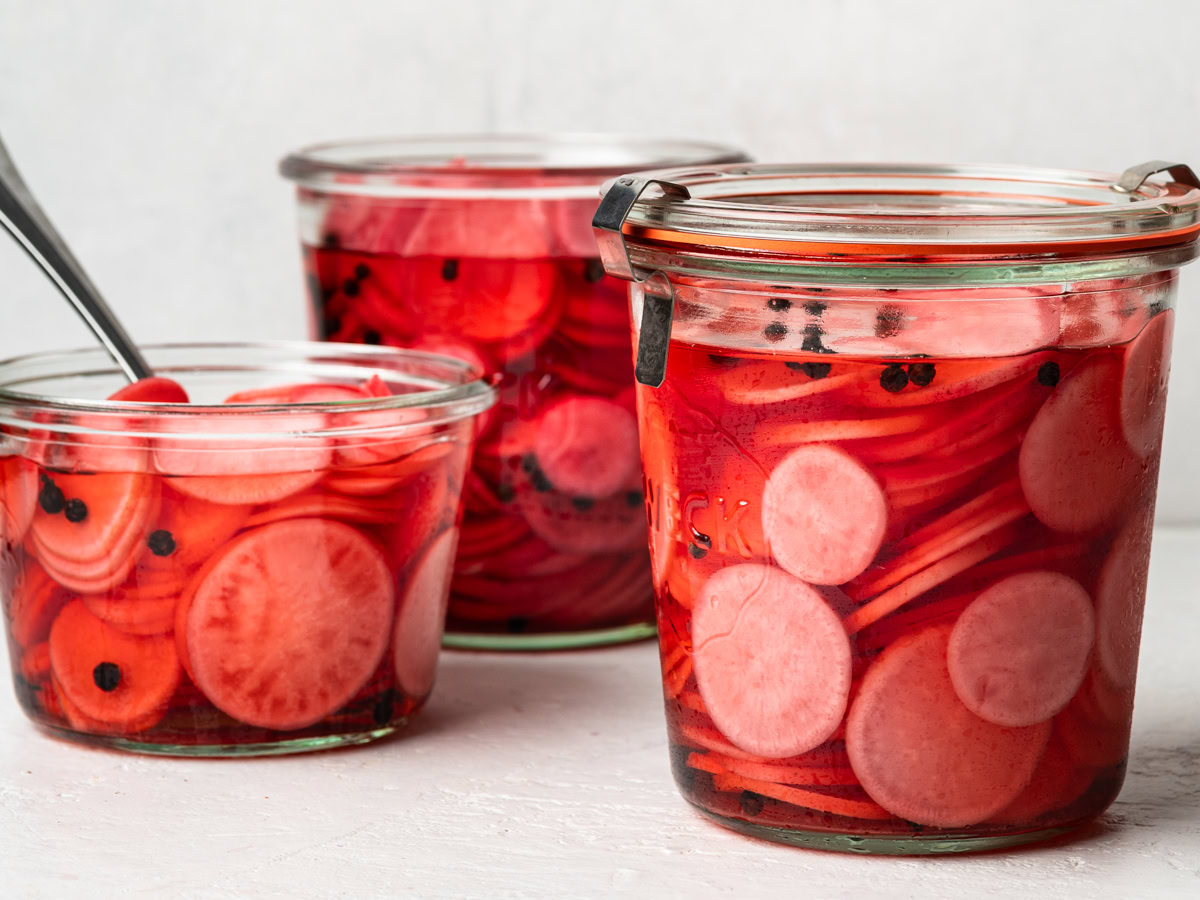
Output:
(290, 623)
(110, 676)
(583, 525)
(1056, 782)
(34, 603)
(587, 446)
(241, 490)
(1120, 601)
(772, 660)
(1019, 652)
(18, 497)
(422, 615)
(98, 514)
(1144, 384)
(920, 753)
(1076, 470)
(823, 514)
(218, 445)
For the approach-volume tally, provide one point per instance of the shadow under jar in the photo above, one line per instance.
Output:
(481, 247)
(261, 570)
(901, 461)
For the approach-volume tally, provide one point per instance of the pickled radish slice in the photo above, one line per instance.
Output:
(772, 660)
(920, 753)
(242, 490)
(35, 601)
(1144, 384)
(422, 615)
(1120, 601)
(1019, 652)
(138, 608)
(1056, 781)
(35, 663)
(290, 623)
(581, 525)
(110, 502)
(315, 392)
(58, 703)
(1076, 469)
(18, 497)
(152, 390)
(493, 229)
(187, 532)
(587, 446)
(110, 676)
(823, 514)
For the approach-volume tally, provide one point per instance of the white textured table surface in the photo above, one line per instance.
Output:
(546, 776)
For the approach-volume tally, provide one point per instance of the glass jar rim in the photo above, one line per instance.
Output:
(501, 165)
(859, 212)
(460, 392)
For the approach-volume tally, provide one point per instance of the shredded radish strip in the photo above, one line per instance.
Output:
(798, 776)
(838, 806)
(943, 570)
(950, 541)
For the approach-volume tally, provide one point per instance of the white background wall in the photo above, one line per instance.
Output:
(151, 129)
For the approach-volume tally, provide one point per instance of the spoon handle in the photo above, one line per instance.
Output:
(25, 221)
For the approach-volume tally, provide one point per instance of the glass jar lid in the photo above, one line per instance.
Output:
(472, 165)
(893, 214)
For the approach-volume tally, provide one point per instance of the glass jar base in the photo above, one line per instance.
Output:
(554, 640)
(884, 845)
(281, 747)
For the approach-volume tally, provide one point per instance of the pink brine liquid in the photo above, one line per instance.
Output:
(903, 597)
(554, 532)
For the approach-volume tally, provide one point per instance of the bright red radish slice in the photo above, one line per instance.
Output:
(1121, 600)
(290, 623)
(244, 443)
(574, 525)
(152, 390)
(1019, 652)
(18, 497)
(587, 446)
(422, 615)
(142, 607)
(1077, 472)
(824, 514)
(1144, 384)
(1056, 781)
(35, 600)
(772, 660)
(111, 507)
(920, 753)
(109, 676)
(186, 533)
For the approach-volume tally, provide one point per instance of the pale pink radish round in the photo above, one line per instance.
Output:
(920, 753)
(772, 660)
(587, 446)
(1144, 384)
(1019, 652)
(1077, 471)
(422, 616)
(1121, 600)
(823, 514)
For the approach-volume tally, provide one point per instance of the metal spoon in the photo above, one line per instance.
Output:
(25, 221)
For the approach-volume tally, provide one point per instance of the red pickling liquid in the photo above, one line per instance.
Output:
(981, 530)
(553, 535)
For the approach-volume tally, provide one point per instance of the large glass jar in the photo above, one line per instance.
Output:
(482, 247)
(900, 428)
